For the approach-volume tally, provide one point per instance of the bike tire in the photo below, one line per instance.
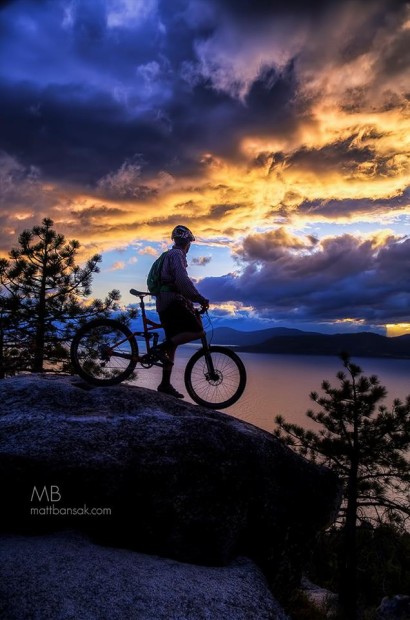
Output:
(215, 394)
(89, 355)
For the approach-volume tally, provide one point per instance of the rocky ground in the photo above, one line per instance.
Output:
(65, 576)
(185, 483)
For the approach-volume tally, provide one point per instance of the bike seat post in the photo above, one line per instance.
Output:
(144, 316)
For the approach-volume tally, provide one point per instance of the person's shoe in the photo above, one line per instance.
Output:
(170, 390)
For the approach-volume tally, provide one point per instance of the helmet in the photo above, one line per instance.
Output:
(182, 234)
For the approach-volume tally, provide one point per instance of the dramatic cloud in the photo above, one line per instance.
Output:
(126, 183)
(276, 129)
(371, 208)
(272, 245)
(340, 278)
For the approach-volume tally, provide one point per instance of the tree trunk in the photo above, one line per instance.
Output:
(348, 566)
(348, 557)
(38, 360)
(2, 365)
(41, 321)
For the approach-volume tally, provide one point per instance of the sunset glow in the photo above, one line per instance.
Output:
(278, 132)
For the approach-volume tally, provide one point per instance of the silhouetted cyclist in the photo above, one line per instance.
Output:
(174, 304)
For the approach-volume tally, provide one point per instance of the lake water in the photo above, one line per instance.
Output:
(281, 384)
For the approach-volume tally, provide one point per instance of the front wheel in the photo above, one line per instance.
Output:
(218, 388)
(104, 352)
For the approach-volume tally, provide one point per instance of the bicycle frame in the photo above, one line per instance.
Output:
(148, 333)
(149, 327)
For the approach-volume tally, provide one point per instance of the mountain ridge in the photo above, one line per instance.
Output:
(229, 335)
(283, 340)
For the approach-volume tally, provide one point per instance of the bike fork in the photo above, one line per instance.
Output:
(211, 375)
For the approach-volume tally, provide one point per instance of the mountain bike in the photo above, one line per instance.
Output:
(105, 352)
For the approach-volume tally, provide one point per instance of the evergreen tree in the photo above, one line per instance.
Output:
(41, 298)
(10, 334)
(367, 445)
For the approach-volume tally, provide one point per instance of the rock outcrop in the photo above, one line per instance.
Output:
(394, 608)
(65, 576)
(324, 600)
(180, 481)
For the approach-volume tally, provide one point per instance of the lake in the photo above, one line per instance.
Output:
(281, 384)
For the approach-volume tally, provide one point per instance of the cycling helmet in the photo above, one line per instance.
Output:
(182, 234)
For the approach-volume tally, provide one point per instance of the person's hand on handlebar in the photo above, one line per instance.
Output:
(204, 305)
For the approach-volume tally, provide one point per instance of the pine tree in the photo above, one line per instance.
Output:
(367, 445)
(41, 298)
(10, 336)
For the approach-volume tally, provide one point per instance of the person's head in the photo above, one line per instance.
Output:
(182, 237)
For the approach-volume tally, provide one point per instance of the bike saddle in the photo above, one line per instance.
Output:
(139, 293)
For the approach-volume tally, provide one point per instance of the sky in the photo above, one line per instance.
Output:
(277, 131)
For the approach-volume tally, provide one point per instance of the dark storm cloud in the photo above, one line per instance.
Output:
(397, 56)
(88, 85)
(83, 91)
(251, 11)
(334, 209)
(340, 155)
(346, 156)
(80, 96)
(344, 277)
(271, 245)
(80, 139)
(21, 198)
(97, 213)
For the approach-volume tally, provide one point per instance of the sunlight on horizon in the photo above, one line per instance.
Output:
(400, 329)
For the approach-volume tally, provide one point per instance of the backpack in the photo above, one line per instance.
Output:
(154, 277)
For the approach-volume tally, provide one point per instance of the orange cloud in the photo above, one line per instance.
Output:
(117, 266)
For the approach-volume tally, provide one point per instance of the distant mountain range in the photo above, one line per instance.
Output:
(227, 335)
(298, 342)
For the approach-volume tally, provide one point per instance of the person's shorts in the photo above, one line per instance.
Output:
(178, 318)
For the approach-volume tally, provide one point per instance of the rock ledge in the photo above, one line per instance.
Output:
(180, 481)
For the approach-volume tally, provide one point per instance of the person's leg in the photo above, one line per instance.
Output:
(166, 386)
(185, 337)
(167, 368)
(169, 347)
(174, 321)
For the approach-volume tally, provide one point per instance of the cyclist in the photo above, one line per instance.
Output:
(175, 307)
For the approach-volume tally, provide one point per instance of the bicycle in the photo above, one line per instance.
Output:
(105, 352)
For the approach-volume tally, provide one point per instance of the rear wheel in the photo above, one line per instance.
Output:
(104, 352)
(218, 389)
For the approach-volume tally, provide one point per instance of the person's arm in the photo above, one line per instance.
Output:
(182, 281)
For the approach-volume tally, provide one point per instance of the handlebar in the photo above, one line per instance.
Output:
(202, 309)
